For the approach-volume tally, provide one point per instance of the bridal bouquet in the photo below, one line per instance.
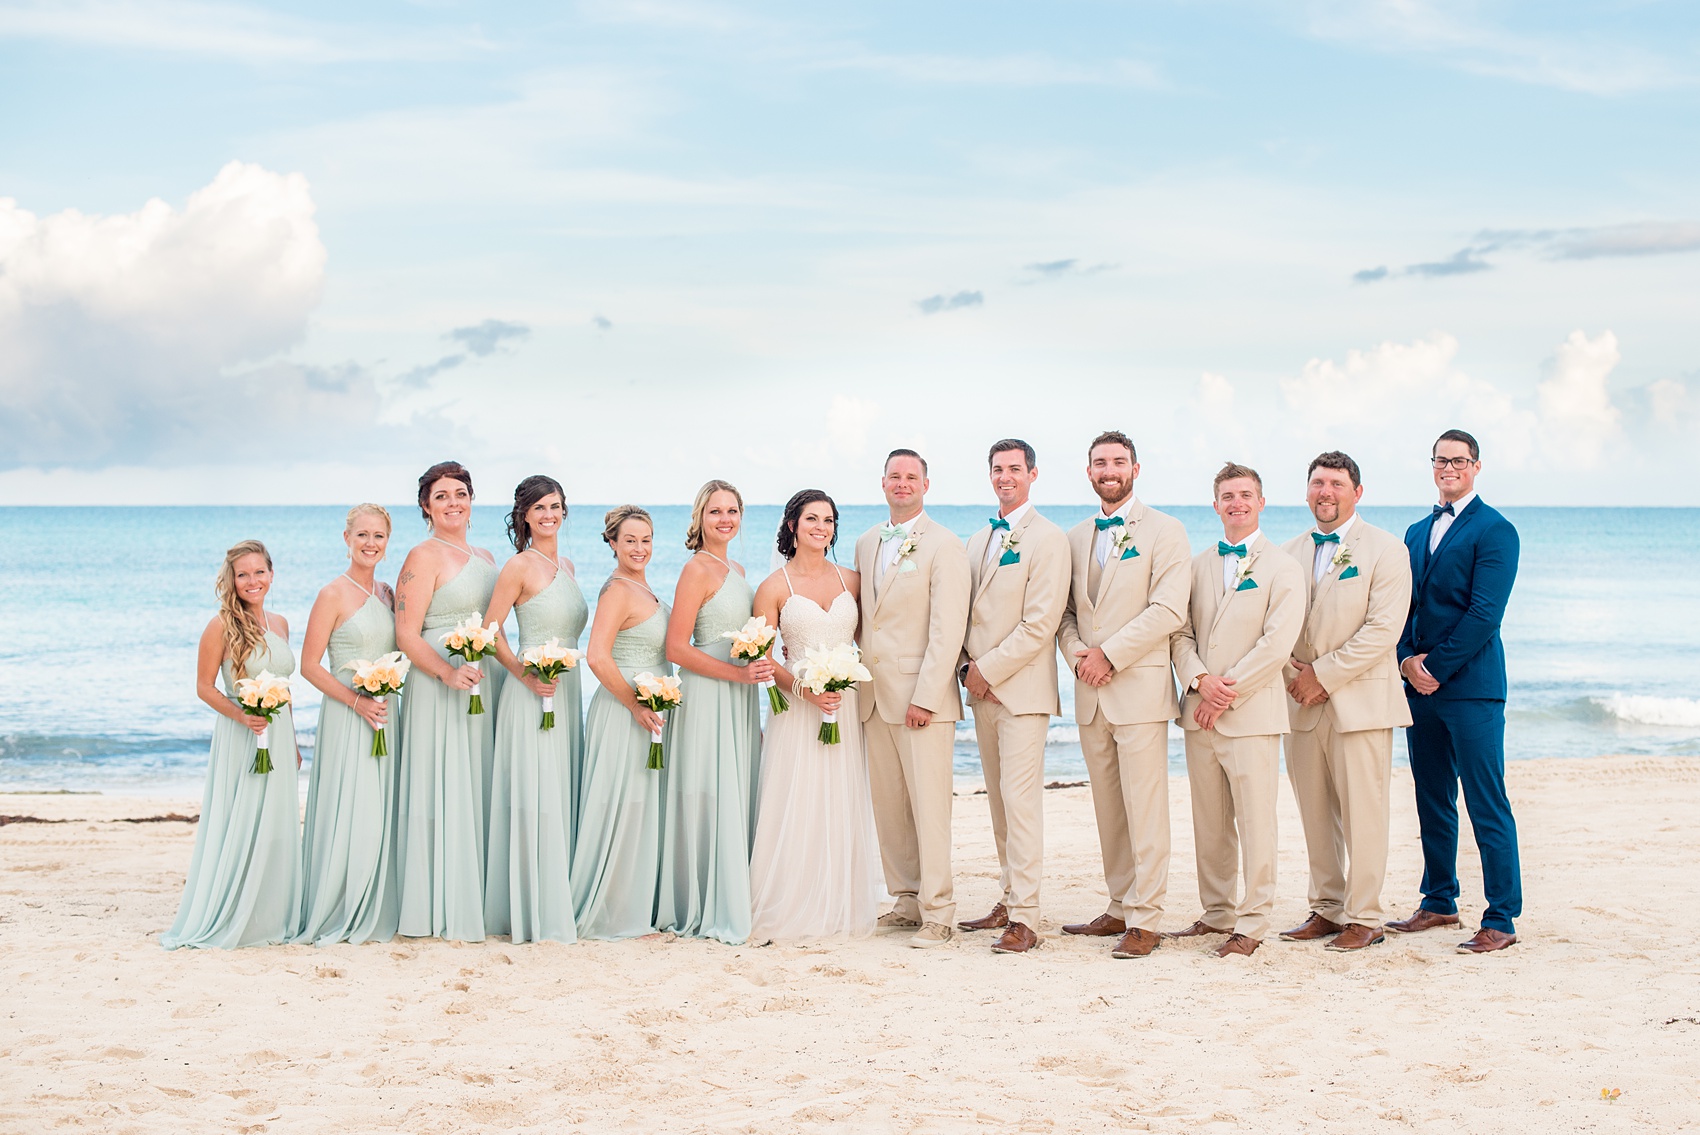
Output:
(660, 693)
(469, 641)
(265, 697)
(754, 640)
(549, 661)
(827, 669)
(379, 679)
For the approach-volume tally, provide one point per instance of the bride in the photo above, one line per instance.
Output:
(815, 868)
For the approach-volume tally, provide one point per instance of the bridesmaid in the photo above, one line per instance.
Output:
(244, 884)
(351, 892)
(445, 751)
(714, 737)
(619, 820)
(527, 889)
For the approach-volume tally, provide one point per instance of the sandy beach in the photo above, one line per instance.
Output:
(108, 1032)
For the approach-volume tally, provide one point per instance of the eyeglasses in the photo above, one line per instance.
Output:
(1458, 463)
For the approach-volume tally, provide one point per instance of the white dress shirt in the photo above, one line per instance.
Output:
(1107, 536)
(1325, 552)
(1443, 521)
(888, 547)
(1231, 563)
(994, 546)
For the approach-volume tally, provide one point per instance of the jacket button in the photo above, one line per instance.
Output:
(873, 662)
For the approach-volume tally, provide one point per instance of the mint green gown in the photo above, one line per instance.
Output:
(713, 748)
(619, 822)
(446, 756)
(348, 848)
(244, 884)
(527, 887)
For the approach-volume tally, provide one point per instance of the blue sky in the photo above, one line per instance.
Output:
(640, 244)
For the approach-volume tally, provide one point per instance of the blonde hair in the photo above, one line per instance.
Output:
(368, 509)
(242, 632)
(693, 534)
(618, 516)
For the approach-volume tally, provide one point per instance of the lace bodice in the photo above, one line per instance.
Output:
(804, 625)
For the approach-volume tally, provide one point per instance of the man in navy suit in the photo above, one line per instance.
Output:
(1463, 563)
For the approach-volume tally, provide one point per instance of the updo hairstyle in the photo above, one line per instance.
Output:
(787, 540)
(618, 516)
(451, 469)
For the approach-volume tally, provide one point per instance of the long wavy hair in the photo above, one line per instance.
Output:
(527, 493)
(243, 633)
(693, 534)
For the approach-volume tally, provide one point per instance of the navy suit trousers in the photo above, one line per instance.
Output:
(1463, 741)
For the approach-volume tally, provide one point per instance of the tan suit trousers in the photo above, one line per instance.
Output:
(913, 784)
(1342, 784)
(1234, 781)
(1012, 755)
(1129, 769)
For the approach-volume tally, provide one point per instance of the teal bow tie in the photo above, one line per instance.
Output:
(1104, 522)
(890, 532)
(1223, 548)
(998, 522)
(1320, 538)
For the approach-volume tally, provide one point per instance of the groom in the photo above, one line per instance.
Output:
(915, 583)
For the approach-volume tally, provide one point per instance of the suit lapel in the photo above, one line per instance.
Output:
(883, 586)
(1251, 553)
(1349, 542)
(977, 557)
(1112, 559)
(1447, 537)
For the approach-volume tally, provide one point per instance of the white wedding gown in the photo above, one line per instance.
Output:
(815, 866)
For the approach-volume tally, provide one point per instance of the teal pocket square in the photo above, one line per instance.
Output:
(1349, 573)
(1246, 584)
(1130, 553)
(1010, 557)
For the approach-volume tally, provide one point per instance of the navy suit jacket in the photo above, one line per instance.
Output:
(1458, 598)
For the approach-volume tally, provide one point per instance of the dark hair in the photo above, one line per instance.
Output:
(1231, 471)
(454, 470)
(1010, 443)
(1457, 435)
(1334, 459)
(1113, 437)
(794, 512)
(906, 453)
(527, 493)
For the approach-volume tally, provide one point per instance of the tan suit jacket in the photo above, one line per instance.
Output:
(1245, 635)
(1139, 603)
(913, 623)
(1351, 631)
(1013, 619)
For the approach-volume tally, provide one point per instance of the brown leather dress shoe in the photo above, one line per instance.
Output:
(1101, 927)
(1420, 921)
(1136, 943)
(1197, 930)
(1486, 941)
(1238, 944)
(1311, 929)
(1356, 936)
(998, 919)
(1017, 939)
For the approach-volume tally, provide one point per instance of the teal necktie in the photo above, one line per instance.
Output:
(1104, 522)
(890, 532)
(1320, 538)
(998, 522)
(1224, 548)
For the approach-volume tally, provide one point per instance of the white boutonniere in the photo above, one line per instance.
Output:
(1009, 541)
(1121, 541)
(1342, 558)
(1244, 571)
(907, 548)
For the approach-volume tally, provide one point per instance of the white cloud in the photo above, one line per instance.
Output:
(1002, 71)
(152, 335)
(1577, 417)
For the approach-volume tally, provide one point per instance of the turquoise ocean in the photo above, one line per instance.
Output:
(102, 609)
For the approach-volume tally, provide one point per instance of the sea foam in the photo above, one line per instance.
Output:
(1642, 709)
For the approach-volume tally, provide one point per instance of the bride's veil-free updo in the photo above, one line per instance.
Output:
(785, 543)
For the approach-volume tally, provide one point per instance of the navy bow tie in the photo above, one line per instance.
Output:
(1223, 548)
(1446, 508)
(999, 522)
(1104, 522)
(1320, 538)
